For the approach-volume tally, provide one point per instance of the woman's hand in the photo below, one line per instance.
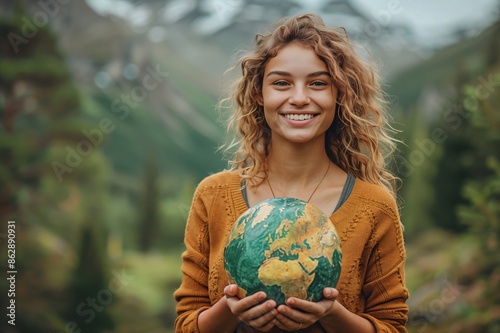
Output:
(261, 317)
(299, 314)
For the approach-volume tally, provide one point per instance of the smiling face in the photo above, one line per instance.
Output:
(298, 95)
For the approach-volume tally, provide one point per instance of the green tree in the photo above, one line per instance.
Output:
(89, 292)
(38, 106)
(451, 172)
(481, 211)
(41, 121)
(149, 222)
(39, 109)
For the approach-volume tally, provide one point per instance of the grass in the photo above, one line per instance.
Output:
(155, 278)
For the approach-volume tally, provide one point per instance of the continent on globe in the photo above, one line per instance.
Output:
(285, 247)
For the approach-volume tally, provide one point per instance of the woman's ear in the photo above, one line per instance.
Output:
(260, 100)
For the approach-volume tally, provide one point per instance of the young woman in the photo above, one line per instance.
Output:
(310, 124)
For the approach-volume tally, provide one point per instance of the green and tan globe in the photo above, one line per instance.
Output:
(284, 247)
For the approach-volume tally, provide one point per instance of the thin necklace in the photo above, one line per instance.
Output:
(317, 186)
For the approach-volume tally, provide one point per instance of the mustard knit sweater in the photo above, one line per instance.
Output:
(372, 280)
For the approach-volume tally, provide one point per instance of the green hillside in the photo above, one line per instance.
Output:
(450, 65)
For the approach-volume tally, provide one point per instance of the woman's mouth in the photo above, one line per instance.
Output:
(299, 116)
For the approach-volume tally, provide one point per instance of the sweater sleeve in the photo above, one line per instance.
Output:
(192, 295)
(384, 290)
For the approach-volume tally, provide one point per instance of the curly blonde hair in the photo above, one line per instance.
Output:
(358, 140)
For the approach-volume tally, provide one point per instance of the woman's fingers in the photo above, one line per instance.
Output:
(251, 310)
(301, 313)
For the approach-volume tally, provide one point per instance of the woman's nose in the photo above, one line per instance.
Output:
(299, 96)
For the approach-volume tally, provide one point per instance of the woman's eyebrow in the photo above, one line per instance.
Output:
(280, 73)
(314, 74)
(319, 73)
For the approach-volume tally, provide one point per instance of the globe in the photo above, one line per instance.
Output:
(285, 247)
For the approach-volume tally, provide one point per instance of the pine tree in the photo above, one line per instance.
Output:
(481, 191)
(40, 117)
(149, 224)
(89, 292)
(481, 212)
(39, 105)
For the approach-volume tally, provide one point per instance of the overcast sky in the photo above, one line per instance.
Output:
(431, 20)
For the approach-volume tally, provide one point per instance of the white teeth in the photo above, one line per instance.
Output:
(299, 116)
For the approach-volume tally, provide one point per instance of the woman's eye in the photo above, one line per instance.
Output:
(318, 83)
(280, 83)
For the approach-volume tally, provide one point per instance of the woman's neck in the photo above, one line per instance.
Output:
(300, 171)
(296, 166)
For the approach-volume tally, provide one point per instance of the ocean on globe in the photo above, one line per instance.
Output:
(285, 247)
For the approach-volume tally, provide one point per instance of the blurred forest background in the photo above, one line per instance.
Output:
(108, 122)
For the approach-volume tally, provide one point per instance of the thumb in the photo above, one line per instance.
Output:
(231, 290)
(330, 293)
